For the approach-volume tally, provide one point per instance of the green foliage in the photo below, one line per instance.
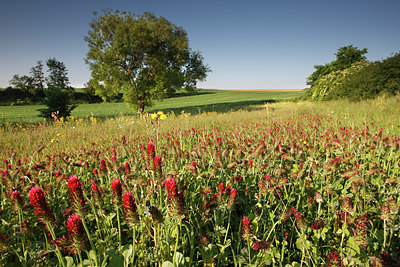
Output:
(23, 83)
(38, 79)
(142, 56)
(326, 85)
(58, 102)
(58, 93)
(345, 57)
(371, 81)
(58, 74)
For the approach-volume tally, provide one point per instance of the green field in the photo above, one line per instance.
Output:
(207, 100)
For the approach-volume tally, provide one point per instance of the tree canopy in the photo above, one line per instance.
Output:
(325, 78)
(345, 57)
(144, 57)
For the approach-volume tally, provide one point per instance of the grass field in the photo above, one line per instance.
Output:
(206, 100)
(289, 184)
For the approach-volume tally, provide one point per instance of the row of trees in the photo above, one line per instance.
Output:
(352, 76)
(36, 83)
(54, 91)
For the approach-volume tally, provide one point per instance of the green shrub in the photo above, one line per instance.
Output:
(58, 102)
(376, 79)
(326, 86)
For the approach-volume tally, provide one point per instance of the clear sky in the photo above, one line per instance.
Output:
(263, 44)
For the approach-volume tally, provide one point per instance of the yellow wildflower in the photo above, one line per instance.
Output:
(153, 116)
(163, 117)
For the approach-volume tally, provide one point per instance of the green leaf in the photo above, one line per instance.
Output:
(69, 260)
(167, 264)
(127, 252)
(92, 255)
(115, 259)
(179, 259)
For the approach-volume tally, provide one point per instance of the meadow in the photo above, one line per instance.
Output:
(286, 184)
(206, 100)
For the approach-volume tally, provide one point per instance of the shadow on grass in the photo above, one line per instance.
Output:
(183, 93)
(218, 107)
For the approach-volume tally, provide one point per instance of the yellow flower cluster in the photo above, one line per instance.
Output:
(159, 115)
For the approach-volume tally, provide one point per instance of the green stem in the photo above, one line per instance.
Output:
(119, 228)
(227, 229)
(343, 231)
(272, 229)
(90, 239)
(176, 242)
(20, 218)
(80, 258)
(58, 252)
(133, 245)
(384, 234)
(248, 249)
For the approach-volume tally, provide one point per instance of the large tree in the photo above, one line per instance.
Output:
(144, 57)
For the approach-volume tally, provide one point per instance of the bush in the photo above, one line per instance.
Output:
(379, 78)
(58, 102)
(326, 86)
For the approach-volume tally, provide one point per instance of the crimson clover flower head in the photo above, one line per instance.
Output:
(157, 163)
(318, 197)
(130, 207)
(17, 200)
(127, 168)
(74, 224)
(246, 229)
(221, 189)
(155, 214)
(287, 214)
(385, 212)
(103, 165)
(170, 186)
(346, 205)
(76, 241)
(334, 259)
(116, 187)
(301, 223)
(176, 201)
(75, 187)
(231, 201)
(261, 245)
(151, 151)
(38, 201)
(318, 224)
(96, 194)
(76, 194)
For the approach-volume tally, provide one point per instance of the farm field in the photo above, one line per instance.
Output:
(289, 184)
(205, 101)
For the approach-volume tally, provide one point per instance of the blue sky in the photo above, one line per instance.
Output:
(270, 44)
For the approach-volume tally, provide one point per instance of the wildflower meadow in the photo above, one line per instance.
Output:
(292, 184)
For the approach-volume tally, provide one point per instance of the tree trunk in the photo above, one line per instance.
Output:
(140, 107)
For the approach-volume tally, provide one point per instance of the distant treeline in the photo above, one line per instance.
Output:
(13, 96)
